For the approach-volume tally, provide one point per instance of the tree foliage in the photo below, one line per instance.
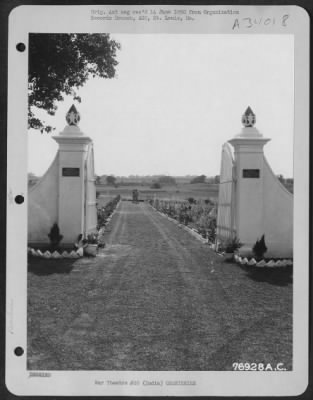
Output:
(111, 180)
(166, 180)
(198, 179)
(59, 64)
(156, 185)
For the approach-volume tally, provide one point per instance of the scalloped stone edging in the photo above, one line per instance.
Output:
(261, 264)
(56, 255)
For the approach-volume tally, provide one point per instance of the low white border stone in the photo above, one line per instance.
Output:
(55, 255)
(262, 263)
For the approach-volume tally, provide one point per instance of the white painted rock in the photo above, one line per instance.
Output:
(34, 253)
(271, 263)
(244, 261)
(47, 254)
(279, 263)
(251, 262)
(261, 263)
(55, 254)
(80, 252)
(65, 254)
(289, 263)
(73, 254)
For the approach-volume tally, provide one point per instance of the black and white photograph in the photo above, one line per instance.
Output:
(164, 215)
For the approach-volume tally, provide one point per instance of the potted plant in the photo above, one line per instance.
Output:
(91, 244)
(230, 246)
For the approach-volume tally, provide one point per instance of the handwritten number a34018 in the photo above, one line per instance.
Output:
(251, 22)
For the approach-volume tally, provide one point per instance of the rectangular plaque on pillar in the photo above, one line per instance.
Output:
(70, 171)
(251, 173)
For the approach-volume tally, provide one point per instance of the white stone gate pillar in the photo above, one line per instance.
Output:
(73, 147)
(249, 179)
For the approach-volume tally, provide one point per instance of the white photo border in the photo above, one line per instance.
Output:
(61, 19)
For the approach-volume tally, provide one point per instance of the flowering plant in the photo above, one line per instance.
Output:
(92, 238)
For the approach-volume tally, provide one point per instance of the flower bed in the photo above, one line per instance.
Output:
(199, 234)
(104, 214)
(197, 215)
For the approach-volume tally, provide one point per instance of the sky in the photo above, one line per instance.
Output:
(176, 99)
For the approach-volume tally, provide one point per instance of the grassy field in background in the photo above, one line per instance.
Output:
(175, 192)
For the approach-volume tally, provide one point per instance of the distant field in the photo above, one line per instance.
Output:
(177, 192)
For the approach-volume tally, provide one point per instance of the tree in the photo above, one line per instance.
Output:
(61, 63)
(198, 179)
(166, 180)
(111, 180)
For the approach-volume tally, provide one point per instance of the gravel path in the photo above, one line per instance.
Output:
(156, 299)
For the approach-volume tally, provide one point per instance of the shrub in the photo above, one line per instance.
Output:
(92, 238)
(104, 212)
(259, 248)
(55, 236)
(212, 230)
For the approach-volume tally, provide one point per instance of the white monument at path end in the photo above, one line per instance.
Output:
(252, 201)
(66, 194)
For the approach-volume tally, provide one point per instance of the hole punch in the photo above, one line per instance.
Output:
(20, 47)
(18, 351)
(19, 199)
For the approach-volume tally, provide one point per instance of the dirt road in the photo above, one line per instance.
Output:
(156, 299)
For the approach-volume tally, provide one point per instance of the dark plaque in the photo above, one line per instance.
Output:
(70, 171)
(251, 173)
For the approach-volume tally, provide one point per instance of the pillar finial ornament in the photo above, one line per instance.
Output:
(72, 116)
(248, 119)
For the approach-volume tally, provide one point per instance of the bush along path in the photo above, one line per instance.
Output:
(198, 217)
(104, 216)
(104, 213)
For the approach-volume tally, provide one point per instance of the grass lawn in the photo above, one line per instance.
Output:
(155, 299)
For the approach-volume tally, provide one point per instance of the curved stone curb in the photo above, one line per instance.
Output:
(263, 263)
